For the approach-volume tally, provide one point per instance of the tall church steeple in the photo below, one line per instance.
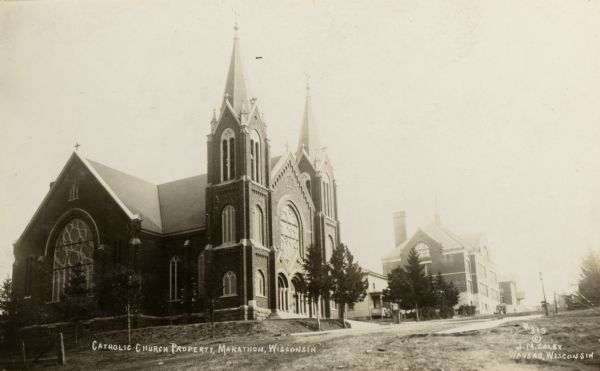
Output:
(309, 141)
(236, 92)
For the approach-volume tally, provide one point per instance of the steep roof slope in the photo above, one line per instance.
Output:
(182, 203)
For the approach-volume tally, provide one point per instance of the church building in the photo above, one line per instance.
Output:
(253, 213)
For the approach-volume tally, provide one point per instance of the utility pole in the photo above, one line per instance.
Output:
(544, 303)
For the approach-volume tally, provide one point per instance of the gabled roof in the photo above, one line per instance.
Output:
(182, 204)
(447, 239)
(140, 196)
(274, 161)
(165, 208)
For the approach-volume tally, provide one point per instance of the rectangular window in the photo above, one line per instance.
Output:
(74, 192)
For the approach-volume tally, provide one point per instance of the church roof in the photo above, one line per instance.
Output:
(165, 208)
(182, 203)
(236, 92)
(442, 235)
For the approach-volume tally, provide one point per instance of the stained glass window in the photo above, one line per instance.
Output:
(290, 230)
(74, 246)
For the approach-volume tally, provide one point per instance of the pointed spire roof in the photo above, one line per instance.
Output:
(236, 92)
(309, 141)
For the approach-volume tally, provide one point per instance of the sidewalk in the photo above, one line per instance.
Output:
(487, 324)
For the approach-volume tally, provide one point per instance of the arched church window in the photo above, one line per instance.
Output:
(74, 246)
(255, 157)
(229, 284)
(259, 284)
(290, 230)
(175, 278)
(228, 224)
(227, 155)
(258, 229)
(327, 196)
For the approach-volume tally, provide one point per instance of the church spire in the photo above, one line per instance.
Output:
(236, 92)
(309, 142)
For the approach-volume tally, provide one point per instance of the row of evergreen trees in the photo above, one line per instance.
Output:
(411, 289)
(341, 279)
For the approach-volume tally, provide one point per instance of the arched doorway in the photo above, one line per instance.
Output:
(282, 293)
(299, 299)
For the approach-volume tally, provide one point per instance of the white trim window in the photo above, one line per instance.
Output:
(74, 192)
(258, 225)
(327, 196)
(174, 278)
(423, 250)
(229, 284)
(255, 157)
(259, 284)
(228, 224)
(227, 155)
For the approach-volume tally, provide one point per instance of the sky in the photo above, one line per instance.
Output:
(491, 108)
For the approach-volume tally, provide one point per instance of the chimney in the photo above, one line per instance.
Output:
(399, 227)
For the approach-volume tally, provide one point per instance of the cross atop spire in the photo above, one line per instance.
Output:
(309, 141)
(236, 92)
(76, 146)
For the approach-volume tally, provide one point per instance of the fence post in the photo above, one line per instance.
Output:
(23, 354)
(60, 350)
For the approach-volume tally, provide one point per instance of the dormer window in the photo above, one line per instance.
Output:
(74, 192)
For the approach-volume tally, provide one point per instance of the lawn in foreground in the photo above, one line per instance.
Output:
(401, 349)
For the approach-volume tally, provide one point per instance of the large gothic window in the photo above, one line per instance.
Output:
(175, 278)
(228, 224)
(74, 246)
(255, 157)
(290, 230)
(258, 229)
(229, 284)
(227, 155)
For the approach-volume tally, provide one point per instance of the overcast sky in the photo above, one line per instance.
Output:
(493, 107)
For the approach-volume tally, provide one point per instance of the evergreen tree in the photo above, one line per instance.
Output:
(77, 304)
(419, 288)
(398, 290)
(348, 284)
(121, 293)
(589, 280)
(446, 296)
(316, 277)
(10, 316)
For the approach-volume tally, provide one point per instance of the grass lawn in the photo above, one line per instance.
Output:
(399, 347)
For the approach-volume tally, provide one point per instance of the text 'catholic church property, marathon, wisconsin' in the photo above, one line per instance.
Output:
(255, 213)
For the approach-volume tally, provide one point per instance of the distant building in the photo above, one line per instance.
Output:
(464, 260)
(511, 297)
(372, 305)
